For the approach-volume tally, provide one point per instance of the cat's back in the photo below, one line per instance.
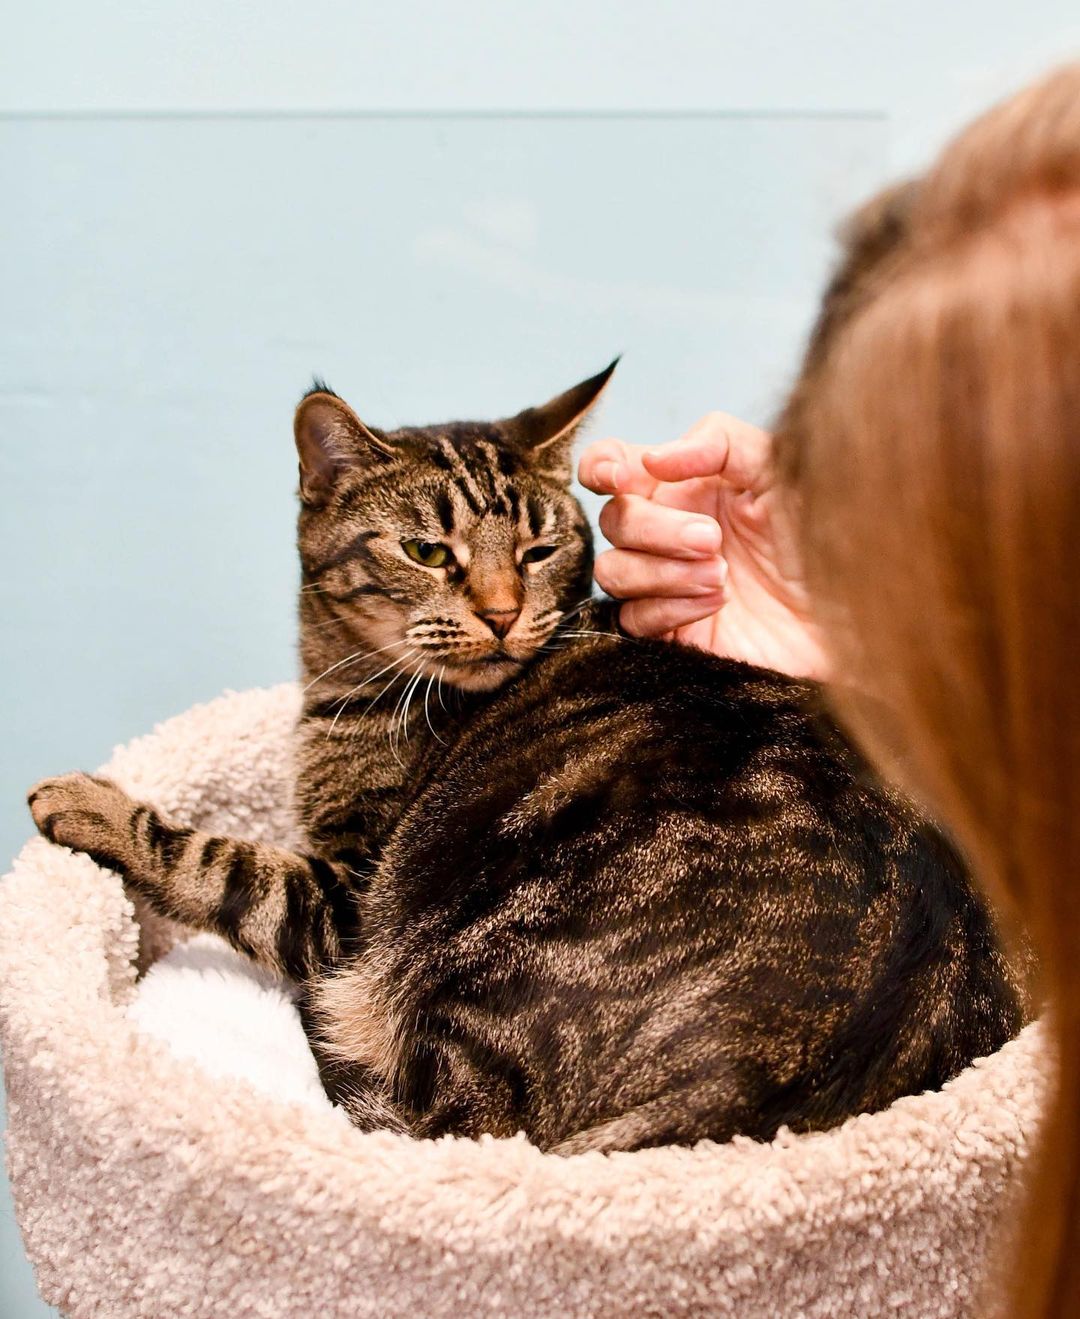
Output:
(672, 775)
(666, 864)
(607, 727)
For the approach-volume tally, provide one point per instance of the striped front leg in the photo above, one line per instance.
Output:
(292, 913)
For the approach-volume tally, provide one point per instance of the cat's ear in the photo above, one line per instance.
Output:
(330, 438)
(547, 433)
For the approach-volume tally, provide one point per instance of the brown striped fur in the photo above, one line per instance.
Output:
(611, 893)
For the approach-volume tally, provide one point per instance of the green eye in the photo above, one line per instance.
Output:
(538, 552)
(427, 553)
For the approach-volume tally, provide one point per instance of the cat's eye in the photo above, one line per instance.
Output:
(537, 553)
(427, 553)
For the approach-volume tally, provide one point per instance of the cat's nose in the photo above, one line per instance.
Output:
(499, 620)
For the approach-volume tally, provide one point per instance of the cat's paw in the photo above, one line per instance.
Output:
(84, 813)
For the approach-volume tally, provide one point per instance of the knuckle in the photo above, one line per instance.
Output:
(710, 429)
(646, 617)
(613, 518)
(607, 572)
(629, 616)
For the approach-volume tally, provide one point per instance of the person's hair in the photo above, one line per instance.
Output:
(937, 466)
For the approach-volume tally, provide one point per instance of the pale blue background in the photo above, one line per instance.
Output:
(444, 209)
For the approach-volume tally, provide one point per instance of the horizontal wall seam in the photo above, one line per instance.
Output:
(868, 115)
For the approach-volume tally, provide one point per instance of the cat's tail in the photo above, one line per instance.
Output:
(353, 1086)
(665, 1120)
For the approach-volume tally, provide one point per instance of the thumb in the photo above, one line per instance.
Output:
(717, 445)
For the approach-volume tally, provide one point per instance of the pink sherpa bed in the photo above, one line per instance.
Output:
(171, 1156)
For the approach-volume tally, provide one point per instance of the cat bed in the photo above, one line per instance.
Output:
(147, 1183)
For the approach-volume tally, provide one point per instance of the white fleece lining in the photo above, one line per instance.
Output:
(211, 1005)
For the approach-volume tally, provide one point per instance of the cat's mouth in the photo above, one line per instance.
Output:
(473, 664)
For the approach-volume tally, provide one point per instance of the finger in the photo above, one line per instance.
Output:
(653, 617)
(631, 522)
(611, 467)
(717, 445)
(628, 574)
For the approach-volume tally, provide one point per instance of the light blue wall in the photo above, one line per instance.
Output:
(203, 206)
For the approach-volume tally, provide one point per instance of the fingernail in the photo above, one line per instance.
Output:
(608, 474)
(703, 537)
(710, 578)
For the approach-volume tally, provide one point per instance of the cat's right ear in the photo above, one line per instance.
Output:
(330, 438)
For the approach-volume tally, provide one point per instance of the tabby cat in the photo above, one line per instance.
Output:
(612, 893)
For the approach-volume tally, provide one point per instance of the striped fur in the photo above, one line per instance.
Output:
(612, 893)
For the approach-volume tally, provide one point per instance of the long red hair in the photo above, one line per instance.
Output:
(935, 451)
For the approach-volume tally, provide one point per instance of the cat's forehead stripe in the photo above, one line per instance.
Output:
(536, 517)
(467, 484)
(444, 508)
(475, 460)
(513, 502)
(464, 508)
(490, 459)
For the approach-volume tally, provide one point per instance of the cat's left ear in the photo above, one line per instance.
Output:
(547, 433)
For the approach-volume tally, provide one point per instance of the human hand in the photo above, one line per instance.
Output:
(703, 552)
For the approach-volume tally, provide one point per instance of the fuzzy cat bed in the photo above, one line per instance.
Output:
(150, 1180)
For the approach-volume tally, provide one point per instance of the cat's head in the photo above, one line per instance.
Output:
(453, 550)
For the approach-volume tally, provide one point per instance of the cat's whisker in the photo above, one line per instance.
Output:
(402, 659)
(570, 614)
(612, 635)
(541, 620)
(393, 734)
(354, 658)
(395, 725)
(390, 684)
(402, 674)
(441, 701)
(349, 695)
(397, 707)
(342, 702)
(427, 716)
(338, 620)
(409, 694)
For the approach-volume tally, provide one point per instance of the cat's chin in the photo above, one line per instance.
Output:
(483, 677)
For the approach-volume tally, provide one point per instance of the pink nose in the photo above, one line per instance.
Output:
(499, 620)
